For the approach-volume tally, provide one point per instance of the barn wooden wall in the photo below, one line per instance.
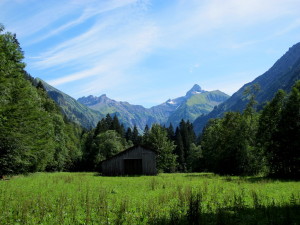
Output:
(115, 165)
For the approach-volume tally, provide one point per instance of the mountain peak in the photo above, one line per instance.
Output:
(295, 46)
(91, 99)
(196, 89)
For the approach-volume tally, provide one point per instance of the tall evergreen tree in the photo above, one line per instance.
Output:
(145, 134)
(267, 127)
(179, 151)
(287, 138)
(115, 125)
(101, 127)
(184, 137)
(136, 138)
(171, 134)
(128, 134)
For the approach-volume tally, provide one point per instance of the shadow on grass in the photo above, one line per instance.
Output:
(100, 175)
(201, 175)
(271, 215)
(257, 179)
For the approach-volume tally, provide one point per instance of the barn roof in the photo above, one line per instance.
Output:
(128, 150)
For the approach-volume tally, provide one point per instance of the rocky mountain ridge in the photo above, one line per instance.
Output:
(196, 102)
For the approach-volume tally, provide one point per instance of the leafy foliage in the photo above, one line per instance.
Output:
(252, 143)
(283, 140)
(284, 150)
(106, 140)
(34, 136)
(185, 140)
(157, 140)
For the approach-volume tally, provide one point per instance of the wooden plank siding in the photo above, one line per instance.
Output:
(114, 166)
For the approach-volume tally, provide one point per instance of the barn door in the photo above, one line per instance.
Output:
(133, 166)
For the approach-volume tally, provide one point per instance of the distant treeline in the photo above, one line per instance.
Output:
(36, 136)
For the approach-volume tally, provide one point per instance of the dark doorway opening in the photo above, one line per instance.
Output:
(133, 166)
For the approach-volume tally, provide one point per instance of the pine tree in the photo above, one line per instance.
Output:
(115, 125)
(179, 151)
(128, 134)
(101, 127)
(171, 134)
(187, 137)
(267, 127)
(287, 138)
(136, 138)
(145, 134)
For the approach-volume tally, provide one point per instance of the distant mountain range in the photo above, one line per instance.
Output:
(282, 75)
(87, 111)
(195, 103)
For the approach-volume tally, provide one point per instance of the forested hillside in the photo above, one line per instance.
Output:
(72, 109)
(34, 135)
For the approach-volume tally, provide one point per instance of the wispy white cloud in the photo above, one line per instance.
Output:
(46, 16)
(109, 47)
(90, 11)
(102, 55)
(294, 25)
(200, 18)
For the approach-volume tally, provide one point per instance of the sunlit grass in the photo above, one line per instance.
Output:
(85, 198)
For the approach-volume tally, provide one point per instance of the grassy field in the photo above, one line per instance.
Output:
(85, 198)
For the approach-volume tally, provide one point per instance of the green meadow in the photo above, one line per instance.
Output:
(195, 198)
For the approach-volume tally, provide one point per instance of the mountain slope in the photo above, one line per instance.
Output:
(197, 104)
(170, 106)
(72, 109)
(282, 75)
(128, 114)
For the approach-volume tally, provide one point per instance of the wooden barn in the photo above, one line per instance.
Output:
(136, 160)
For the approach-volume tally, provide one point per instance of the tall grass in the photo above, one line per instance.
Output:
(85, 198)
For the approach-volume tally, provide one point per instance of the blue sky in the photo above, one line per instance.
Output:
(147, 51)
